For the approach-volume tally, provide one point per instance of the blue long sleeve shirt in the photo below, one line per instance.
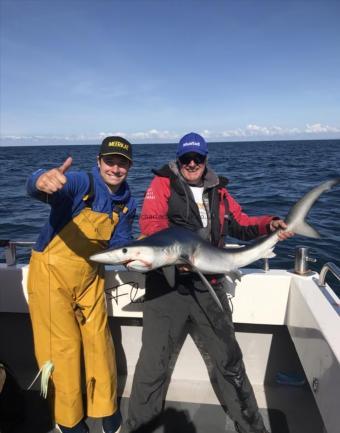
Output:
(68, 202)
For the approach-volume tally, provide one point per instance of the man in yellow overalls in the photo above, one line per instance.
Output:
(89, 212)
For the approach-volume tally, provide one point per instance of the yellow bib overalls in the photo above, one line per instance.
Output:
(69, 318)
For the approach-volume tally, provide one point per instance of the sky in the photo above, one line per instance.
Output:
(75, 71)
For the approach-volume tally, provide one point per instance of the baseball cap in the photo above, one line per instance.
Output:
(192, 142)
(116, 146)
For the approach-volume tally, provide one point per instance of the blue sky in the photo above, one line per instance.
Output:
(75, 71)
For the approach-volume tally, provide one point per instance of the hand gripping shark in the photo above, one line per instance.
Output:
(177, 245)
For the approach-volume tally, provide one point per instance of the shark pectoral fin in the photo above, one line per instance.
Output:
(305, 229)
(208, 286)
(169, 274)
(186, 260)
(211, 290)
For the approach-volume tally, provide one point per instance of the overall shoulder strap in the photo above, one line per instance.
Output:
(88, 197)
(120, 208)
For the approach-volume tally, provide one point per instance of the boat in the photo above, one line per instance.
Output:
(287, 324)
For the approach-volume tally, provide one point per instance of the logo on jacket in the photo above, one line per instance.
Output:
(150, 195)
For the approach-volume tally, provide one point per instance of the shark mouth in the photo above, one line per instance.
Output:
(138, 264)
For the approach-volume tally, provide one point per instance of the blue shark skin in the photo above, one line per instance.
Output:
(178, 246)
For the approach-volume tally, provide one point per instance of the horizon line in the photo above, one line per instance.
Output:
(67, 142)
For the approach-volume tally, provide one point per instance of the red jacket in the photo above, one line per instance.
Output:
(156, 215)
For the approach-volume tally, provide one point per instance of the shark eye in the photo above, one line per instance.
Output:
(124, 250)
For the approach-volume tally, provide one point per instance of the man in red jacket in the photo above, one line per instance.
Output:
(188, 193)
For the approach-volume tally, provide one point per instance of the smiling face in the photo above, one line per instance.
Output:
(113, 169)
(192, 166)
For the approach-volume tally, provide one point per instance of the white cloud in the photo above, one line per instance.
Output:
(317, 128)
(253, 130)
(151, 134)
(207, 134)
(265, 130)
(102, 135)
(234, 133)
(250, 132)
(154, 134)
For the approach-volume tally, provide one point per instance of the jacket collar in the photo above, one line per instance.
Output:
(210, 178)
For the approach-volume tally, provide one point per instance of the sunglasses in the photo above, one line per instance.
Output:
(188, 157)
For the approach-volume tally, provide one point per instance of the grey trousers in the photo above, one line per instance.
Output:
(165, 314)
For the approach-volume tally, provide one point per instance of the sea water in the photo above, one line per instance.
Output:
(264, 177)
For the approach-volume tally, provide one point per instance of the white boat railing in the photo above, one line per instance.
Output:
(11, 249)
(300, 266)
(329, 266)
(328, 290)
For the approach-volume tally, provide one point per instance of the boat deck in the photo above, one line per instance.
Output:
(283, 323)
(285, 409)
(192, 406)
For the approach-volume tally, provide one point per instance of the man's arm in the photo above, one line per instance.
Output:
(245, 227)
(154, 217)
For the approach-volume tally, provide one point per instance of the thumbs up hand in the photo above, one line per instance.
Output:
(54, 179)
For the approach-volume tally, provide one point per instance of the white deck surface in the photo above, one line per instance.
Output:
(266, 305)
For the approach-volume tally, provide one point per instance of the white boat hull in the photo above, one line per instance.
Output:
(273, 312)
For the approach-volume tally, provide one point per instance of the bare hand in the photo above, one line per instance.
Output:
(54, 180)
(280, 224)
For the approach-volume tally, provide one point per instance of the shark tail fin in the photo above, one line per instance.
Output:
(305, 229)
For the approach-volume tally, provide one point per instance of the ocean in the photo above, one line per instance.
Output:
(264, 177)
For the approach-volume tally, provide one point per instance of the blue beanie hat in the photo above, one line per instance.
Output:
(192, 142)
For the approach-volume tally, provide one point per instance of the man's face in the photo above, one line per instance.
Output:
(192, 166)
(113, 169)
